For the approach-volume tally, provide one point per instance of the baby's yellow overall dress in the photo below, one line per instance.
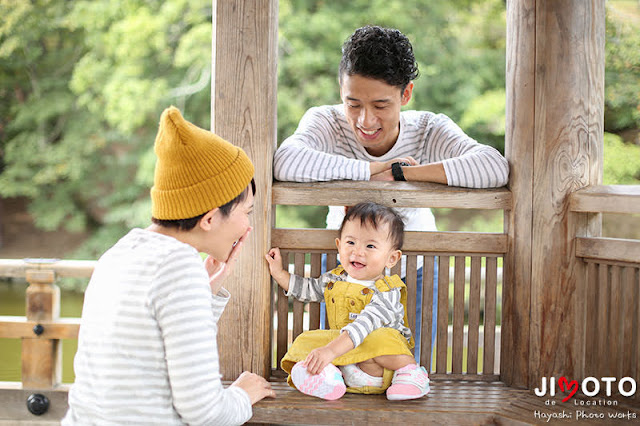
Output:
(344, 300)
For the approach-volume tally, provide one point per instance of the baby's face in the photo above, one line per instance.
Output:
(366, 251)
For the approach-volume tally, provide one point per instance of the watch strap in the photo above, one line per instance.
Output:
(396, 171)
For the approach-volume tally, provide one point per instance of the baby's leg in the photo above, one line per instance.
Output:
(376, 366)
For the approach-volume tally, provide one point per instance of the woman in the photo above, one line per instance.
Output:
(147, 351)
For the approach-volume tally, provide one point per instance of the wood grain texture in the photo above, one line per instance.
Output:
(519, 139)
(392, 194)
(243, 111)
(607, 199)
(448, 403)
(567, 156)
(445, 242)
(608, 249)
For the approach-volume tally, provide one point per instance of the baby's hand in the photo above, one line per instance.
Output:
(274, 259)
(318, 359)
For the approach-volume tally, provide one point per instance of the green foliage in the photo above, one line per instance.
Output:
(621, 161)
(622, 66)
(83, 83)
(459, 46)
(484, 119)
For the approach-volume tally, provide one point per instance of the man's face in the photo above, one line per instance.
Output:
(372, 108)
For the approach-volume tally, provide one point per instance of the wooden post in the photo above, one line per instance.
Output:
(555, 102)
(243, 111)
(41, 358)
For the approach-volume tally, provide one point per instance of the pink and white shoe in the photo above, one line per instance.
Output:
(328, 384)
(409, 382)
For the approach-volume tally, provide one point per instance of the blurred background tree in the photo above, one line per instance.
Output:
(83, 83)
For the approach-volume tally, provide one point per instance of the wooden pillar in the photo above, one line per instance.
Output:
(41, 357)
(243, 111)
(555, 103)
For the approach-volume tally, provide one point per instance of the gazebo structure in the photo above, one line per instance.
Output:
(570, 298)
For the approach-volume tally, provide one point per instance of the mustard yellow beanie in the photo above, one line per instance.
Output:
(196, 170)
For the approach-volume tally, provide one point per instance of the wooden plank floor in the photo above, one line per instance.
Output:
(448, 403)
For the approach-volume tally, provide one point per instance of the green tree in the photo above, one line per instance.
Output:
(622, 66)
(82, 86)
(459, 46)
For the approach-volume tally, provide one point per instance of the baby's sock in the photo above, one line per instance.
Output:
(356, 378)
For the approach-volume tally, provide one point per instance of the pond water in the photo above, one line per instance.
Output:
(12, 302)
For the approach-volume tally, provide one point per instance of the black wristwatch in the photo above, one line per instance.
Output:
(396, 171)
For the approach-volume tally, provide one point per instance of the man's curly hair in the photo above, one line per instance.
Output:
(381, 53)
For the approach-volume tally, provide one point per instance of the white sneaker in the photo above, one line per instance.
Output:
(354, 377)
(408, 382)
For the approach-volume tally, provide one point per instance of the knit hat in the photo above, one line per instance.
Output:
(196, 170)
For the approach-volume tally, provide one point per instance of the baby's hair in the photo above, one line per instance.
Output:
(374, 214)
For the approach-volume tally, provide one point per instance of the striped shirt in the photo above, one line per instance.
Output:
(324, 148)
(147, 351)
(384, 309)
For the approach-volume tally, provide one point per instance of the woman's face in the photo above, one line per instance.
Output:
(227, 230)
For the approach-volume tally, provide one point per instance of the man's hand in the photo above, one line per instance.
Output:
(377, 167)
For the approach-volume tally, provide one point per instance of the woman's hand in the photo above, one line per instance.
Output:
(255, 386)
(218, 270)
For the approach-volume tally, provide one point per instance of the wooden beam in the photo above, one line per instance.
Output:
(392, 194)
(12, 327)
(432, 242)
(608, 249)
(243, 111)
(607, 199)
(554, 140)
(17, 268)
(519, 137)
(567, 153)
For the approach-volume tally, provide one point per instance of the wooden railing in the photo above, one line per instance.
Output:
(473, 307)
(467, 319)
(611, 287)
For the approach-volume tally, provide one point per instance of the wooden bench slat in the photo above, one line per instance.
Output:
(443, 314)
(490, 315)
(615, 323)
(629, 308)
(474, 315)
(426, 349)
(412, 289)
(298, 307)
(603, 315)
(282, 334)
(314, 308)
(458, 314)
(591, 314)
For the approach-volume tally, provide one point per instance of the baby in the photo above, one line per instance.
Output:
(368, 338)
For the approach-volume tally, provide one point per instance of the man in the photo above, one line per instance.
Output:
(368, 137)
